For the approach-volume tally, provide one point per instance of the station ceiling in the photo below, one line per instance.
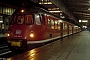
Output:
(80, 9)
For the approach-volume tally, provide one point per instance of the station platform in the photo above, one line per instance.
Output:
(3, 35)
(74, 47)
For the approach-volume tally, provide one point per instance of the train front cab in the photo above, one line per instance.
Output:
(22, 34)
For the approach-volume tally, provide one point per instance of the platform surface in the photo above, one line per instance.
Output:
(75, 47)
(3, 35)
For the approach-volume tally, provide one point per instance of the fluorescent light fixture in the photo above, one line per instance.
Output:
(80, 20)
(88, 8)
(89, 1)
(84, 26)
(55, 11)
(1, 21)
(60, 13)
(84, 20)
(62, 16)
(53, 8)
(87, 14)
(45, 3)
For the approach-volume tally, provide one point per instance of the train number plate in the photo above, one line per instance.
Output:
(14, 43)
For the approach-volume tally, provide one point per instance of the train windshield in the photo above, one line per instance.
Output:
(22, 19)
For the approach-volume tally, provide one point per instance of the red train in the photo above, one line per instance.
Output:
(31, 26)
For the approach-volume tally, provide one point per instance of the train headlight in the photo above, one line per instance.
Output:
(22, 10)
(8, 34)
(31, 35)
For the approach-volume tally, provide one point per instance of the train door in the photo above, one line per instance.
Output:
(68, 29)
(61, 29)
(72, 29)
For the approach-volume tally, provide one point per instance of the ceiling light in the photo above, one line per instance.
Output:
(62, 16)
(54, 11)
(60, 13)
(84, 20)
(87, 14)
(45, 3)
(53, 8)
(84, 26)
(89, 1)
(80, 20)
(88, 8)
(1, 21)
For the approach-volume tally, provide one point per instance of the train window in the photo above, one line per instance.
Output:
(52, 24)
(37, 19)
(56, 23)
(29, 19)
(22, 19)
(18, 19)
(65, 27)
(49, 23)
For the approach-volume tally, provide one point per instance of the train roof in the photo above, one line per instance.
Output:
(34, 10)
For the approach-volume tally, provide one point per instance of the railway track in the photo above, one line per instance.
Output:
(5, 51)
